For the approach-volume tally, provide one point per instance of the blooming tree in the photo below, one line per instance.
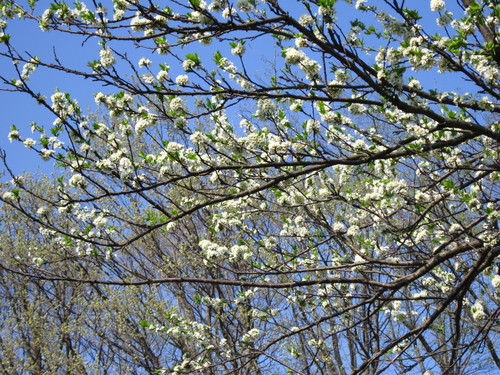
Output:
(305, 186)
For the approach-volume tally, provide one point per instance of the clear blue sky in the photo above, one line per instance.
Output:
(21, 110)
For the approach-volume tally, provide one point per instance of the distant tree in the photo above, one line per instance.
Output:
(304, 187)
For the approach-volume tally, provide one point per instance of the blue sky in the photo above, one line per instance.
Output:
(21, 110)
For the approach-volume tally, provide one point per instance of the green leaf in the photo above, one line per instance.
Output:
(474, 8)
(327, 3)
(358, 23)
(448, 184)
(217, 57)
(193, 57)
(4, 38)
(412, 14)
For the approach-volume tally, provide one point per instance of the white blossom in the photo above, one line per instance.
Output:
(107, 59)
(162, 76)
(125, 168)
(478, 313)
(238, 50)
(250, 336)
(445, 18)
(9, 196)
(29, 142)
(177, 104)
(46, 153)
(14, 134)
(293, 56)
(353, 231)
(496, 282)
(144, 62)
(189, 65)
(227, 12)
(306, 20)
(182, 80)
(437, 5)
(77, 180)
(244, 5)
(359, 3)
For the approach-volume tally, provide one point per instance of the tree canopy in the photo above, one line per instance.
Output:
(256, 187)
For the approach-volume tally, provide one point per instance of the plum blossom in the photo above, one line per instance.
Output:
(77, 180)
(177, 104)
(107, 59)
(437, 5)
(162, 76)
(182, 80)
(14, 134)
(244, 5)
(306, 20)
(496, 282)
(478, 313)
(293, 56)
(29, 142)
(238, 50)
(250, 336)
(9, 196)
(144, 62)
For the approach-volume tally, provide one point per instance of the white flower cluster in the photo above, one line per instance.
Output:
(125, 168)
(444, 19)
(62, 105)
(354, 231)
(212, 250)
(266, 108)
(9, 196)
(29, 68)
(138, 23)
(188, 65)
(277, 145)
(250, 336)
(496, 282)
(396, 313)
(200, 18)
(437, 5)
(225, 219)
(392, 25)
(29, 142)
(237, 252)
(296, 228)
(107, 59)
(77, 180)
(477, 310)
(244, 5)
(142, 123)
(177, 104)
(162, 76)
(144, 62)
(13, 135)
(217, 5)
(295, 57)
(487, 70)
(306, 20)
(239, 49)
(119, 8)
(182, 80)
